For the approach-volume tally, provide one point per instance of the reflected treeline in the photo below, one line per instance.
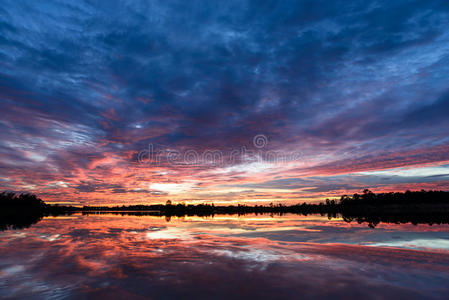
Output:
(431, 218)
(421, 207)
(372, 220)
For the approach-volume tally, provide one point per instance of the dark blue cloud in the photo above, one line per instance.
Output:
(319, 76)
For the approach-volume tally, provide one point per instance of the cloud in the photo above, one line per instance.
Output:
(347, 84)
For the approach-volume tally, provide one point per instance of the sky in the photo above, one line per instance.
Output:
(126, 102)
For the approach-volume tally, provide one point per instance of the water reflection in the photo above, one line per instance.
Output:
(25, 219)
(223, 257)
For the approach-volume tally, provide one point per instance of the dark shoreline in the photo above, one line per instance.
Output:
(372, 216)
(422, 207)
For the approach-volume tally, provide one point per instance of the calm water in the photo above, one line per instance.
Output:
(225, 257)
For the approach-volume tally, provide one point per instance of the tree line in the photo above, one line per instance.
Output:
(432, 207)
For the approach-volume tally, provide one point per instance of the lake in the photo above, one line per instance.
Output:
(222, 257)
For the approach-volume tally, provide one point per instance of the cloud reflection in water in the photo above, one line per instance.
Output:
(221, 258)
